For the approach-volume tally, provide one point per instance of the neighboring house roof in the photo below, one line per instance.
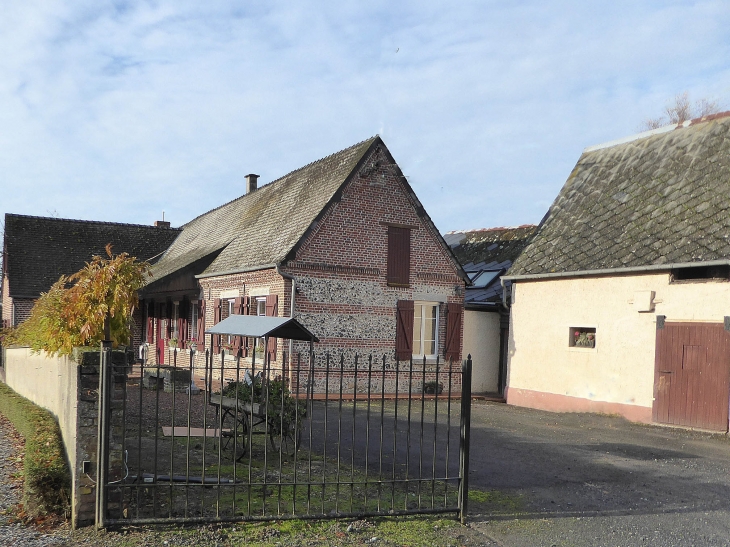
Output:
(652, 201)
(264, 228)
(39, 250)
(485, 255)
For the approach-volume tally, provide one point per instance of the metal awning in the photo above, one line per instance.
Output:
(259, 326)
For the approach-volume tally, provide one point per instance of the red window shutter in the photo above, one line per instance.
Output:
(452, 347)
(201, 325)
(399, 256)
(216, 320)
(237, 310)
(182, 323)
(244, 311)
(404, 330)
(272, 302)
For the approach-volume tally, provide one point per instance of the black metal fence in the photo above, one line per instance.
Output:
(218, 438)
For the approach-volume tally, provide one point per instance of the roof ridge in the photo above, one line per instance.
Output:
(658, 131)
(269, 184)
(82, 221)
(502, 228)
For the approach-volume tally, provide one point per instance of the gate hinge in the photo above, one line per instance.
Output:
(660, 321)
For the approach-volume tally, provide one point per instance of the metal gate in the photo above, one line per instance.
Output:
(217, 438)
(692, 375)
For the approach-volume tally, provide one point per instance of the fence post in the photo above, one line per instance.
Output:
(102, 445)
(464, 439)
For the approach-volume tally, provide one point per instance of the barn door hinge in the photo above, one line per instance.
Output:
(660, 321)
(727, 322)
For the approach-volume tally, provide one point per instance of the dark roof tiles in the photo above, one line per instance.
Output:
(40, 250)
(659, 199)
(261, 228)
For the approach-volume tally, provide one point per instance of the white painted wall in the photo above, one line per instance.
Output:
(481, 340)
(49, 382)
(620, 369)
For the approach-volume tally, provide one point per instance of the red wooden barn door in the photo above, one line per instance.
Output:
(692, 375)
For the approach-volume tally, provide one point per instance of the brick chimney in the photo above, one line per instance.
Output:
(162, 223)
(251, 183)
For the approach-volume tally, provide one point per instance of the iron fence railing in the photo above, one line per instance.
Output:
(215, 438)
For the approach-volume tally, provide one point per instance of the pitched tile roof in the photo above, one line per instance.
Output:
(659, 198)
(261, 228)
(39, 250)
(488, 249)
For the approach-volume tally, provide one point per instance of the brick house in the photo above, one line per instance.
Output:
(38, 250)
(341, 244)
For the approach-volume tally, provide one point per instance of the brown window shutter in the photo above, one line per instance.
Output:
(399, 256)
(237, 310)
(452, 347)
(216, 320)
(272, 302)
(404, 330)
(201, 325)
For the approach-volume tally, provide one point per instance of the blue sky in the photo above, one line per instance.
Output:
(119, 110)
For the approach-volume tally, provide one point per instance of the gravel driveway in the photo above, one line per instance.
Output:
(595, 480)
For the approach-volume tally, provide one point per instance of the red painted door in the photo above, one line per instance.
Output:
(692, 375)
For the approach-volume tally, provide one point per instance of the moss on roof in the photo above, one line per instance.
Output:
(660, 199)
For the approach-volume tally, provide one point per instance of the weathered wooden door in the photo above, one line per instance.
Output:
(692, 375)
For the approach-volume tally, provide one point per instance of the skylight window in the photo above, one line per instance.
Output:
(482, 278)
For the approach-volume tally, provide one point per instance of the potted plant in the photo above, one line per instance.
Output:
(172, 342)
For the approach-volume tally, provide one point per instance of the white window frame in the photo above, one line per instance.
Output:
(417, 308)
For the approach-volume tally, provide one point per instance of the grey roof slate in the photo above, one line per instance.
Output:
(488, 249)
(663, 198)
(39, 250)
(262, 228)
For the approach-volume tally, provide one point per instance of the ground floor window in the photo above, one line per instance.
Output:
(582, 337)
(425, 329)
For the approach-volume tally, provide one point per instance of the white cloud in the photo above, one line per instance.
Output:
(118, 111)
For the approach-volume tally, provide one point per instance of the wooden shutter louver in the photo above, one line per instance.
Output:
(201, 325)
(404, 330)
(452, 347)
(272, 301)
(216, 320)
(399, 256)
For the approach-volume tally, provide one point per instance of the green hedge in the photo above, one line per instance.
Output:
(47, 479)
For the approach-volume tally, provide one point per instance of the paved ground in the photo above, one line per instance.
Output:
(583, 479)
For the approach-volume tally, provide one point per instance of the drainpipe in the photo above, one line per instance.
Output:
(291, 302)
(504, 293)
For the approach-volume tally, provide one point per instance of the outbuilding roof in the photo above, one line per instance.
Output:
(655, 200)
(486, 254)
(261, 228)
(38, 250)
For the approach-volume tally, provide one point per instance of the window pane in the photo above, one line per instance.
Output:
(417, 347)
(429, 329)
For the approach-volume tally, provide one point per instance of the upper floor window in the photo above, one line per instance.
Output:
(399, 256)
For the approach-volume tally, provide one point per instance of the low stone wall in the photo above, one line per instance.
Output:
(69, 391)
